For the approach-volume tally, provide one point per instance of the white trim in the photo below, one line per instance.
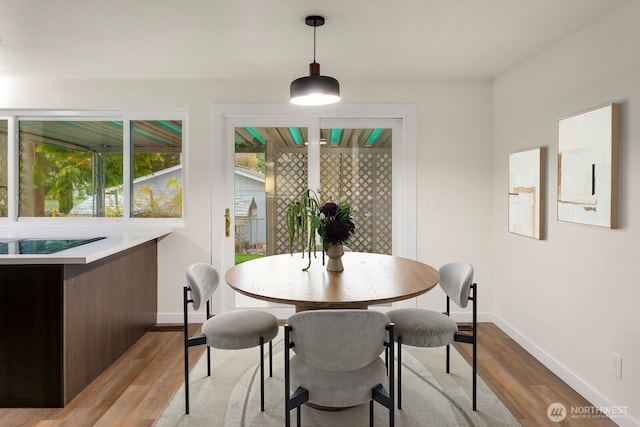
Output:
(127, 187)
(13, 178)
(193, 317)
(467, 317)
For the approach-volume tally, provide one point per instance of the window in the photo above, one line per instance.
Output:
(116, 167)
(70, 168)
(157, 168)
(272, 167)
(356, 167)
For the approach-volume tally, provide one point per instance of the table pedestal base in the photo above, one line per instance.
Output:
(328, 408)
(329, 306)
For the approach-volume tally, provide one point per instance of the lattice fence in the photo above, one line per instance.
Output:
(362, 179)
(290, 180)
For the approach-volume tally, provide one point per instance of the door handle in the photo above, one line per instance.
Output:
(227, 222)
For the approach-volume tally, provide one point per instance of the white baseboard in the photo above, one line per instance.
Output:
(195, 317)
(466, 317)
(565, 374)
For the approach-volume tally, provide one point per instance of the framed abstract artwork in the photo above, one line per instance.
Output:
(588, 167)
(526, 187)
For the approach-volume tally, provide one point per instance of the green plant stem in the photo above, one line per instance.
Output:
(303, 223)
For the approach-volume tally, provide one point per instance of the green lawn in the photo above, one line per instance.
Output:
(240, 258)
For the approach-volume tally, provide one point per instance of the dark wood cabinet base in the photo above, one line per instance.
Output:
(63, 325)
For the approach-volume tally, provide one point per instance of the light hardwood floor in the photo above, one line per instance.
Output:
(524, 384)
(136, 388)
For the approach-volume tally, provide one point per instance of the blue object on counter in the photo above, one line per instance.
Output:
(41, 246)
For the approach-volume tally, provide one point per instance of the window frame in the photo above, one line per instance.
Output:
(126, 116)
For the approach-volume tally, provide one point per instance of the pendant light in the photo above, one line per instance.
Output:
(314, 89)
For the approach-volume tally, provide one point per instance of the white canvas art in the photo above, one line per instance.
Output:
(525, 192)
(587, 167)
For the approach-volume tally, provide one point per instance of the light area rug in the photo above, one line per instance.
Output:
(231, 395)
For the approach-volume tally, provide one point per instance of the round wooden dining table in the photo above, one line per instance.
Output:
(367, 279)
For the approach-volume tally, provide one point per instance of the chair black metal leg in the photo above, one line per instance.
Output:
(270, 359)
(298, 409)
(287, 414)
(475, 366)
(392, 388)
(262, 374)
(287, 399)
(399, 371)
(185, 299)
(378, 393)
(186, 378)
(475, 369)
(448, 352)
(475, 340)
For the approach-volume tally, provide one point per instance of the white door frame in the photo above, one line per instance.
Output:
(226, 117)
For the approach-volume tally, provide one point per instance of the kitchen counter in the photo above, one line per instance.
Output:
(68, 315)
(115, 241)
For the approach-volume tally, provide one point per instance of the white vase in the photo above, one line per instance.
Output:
(335, 252)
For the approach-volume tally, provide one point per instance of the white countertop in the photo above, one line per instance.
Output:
(115, 241)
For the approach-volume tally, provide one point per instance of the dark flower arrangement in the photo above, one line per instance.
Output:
(305, 217)
(336, 224)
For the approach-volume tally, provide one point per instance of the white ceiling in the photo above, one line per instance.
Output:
(377, 39)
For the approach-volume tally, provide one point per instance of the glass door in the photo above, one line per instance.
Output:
(271, 167)
(344, 160)
(356, 167)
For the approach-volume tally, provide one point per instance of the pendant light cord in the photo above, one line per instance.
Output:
(314, 43)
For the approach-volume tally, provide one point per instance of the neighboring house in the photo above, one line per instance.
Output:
(250, 209)
(154, 184)
(246, 225)
(249, 204)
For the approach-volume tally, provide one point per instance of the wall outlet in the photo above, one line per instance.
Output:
(616, 365)
(435, 203)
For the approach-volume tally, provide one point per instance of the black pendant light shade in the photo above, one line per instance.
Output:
(314, 89)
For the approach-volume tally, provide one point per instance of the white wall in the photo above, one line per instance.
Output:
(453, 139)
(572, 299)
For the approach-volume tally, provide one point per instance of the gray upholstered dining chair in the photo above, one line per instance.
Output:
(426, 328)
(337, 360)
(230, 330)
